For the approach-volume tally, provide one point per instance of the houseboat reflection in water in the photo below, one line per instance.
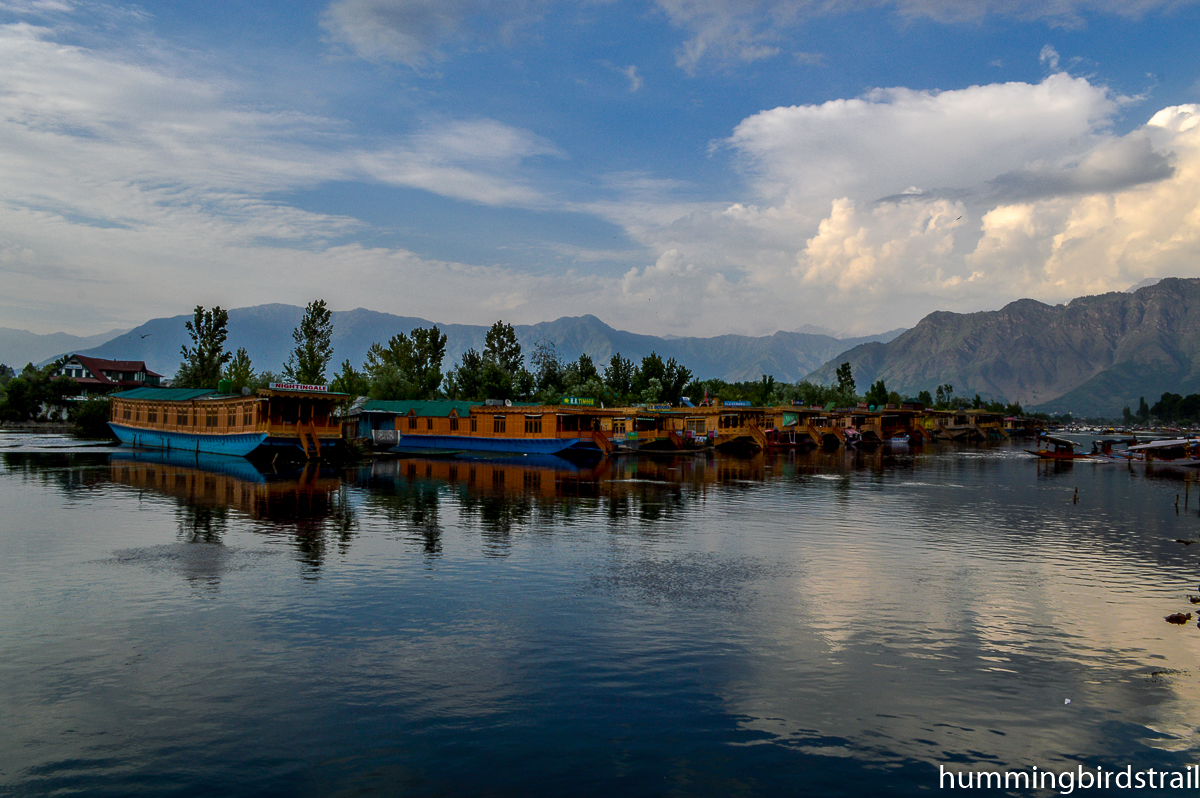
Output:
(308, 504)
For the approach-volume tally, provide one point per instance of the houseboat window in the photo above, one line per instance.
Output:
(231, 417)
(533, 426)
(695, 425)
(474, 424)
(454, 423)
(210, 417)
(152, 415)
(127, 412)
(497, 423)
(412, 422)
(181, 416)
(248, 416)
(569, 423)
(429, 423)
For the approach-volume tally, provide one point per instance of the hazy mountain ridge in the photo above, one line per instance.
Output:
(18, 347)
(1094, 355)
(266, 333)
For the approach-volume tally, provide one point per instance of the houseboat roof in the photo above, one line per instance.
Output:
(402, 407)
(164, 394)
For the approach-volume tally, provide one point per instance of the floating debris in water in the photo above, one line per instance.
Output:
(1066, 701)
(1184, 542)
(1179, 617)
(1194, 599)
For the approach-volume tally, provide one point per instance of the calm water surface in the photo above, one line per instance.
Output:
(845, 623)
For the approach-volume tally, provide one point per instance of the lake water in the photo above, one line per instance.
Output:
(828, 623)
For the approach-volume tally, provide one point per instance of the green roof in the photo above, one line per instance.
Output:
(403, 407)
(164, 394)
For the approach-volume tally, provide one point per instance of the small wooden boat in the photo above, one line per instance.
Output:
(1057, 449)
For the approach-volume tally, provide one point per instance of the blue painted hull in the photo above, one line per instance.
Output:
(236, 467)
(473, 443)
(238, 445)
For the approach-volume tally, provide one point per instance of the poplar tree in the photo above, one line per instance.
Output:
(240, 371)
(314, 346)
(203, 362)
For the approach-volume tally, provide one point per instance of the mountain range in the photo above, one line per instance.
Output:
(266, 333)
(18, 347)
(1092, 356)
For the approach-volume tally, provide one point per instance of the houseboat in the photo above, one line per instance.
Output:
(451, 427)
(285, 418)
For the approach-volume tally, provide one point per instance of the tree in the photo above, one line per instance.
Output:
(652, 393)
(204, 360)
(675, 379)
(549, 373)
(766, 388)
(465, 381)
(584, 370)
(410, 367)
(314, 346)
(501, 347)
(1143, 413)
(877, 394)
(925, 399)
(349, 381)
(845, 380)
(945, 396)
(502, 372)
(26, 394)
(239, 371)
(618, 375)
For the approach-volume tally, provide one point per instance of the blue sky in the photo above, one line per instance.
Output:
(685, 167)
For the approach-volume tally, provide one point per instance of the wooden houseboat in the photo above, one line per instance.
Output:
(726, 426)
(285, 419)
(452, 427)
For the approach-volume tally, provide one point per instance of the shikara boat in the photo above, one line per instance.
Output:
(1179, 452)
(1053, 448)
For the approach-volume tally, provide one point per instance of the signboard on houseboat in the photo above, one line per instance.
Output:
(581, 401)
(739, 403)
(296, 386)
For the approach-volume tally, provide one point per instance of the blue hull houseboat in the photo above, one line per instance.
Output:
(293, 420)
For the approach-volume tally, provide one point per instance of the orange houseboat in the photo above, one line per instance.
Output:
(285, 418)
(451, 427)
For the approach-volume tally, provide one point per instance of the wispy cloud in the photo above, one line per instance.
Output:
(414, 32)
(1049, 57)
(635, 80)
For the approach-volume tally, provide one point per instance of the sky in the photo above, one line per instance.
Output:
(674, 167)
